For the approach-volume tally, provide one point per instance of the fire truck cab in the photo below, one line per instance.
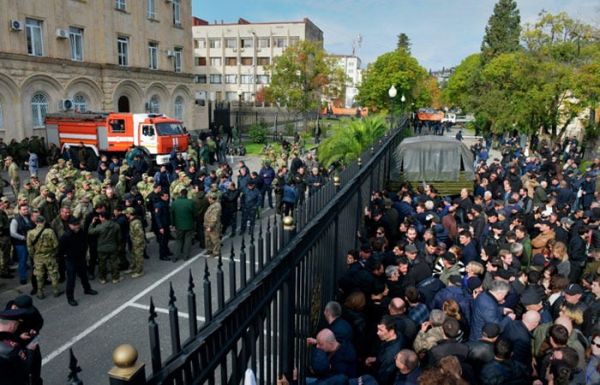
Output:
(155, 134)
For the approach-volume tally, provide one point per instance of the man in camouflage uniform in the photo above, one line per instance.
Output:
(138, 243)
(4, 239)
(42, 244)
(109, 238)
(212, 226)
(13, 174)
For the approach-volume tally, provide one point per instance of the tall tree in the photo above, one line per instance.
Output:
(302, 75)
(401, 70)
(503, 30)
(403, 42)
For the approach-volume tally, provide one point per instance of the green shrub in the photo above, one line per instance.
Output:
(258, 133)
(290, 128)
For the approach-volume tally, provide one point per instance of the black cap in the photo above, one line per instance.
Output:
(451, 327)
(23, 301)
(504, 274)
(573, 289)
(491, 330)
(530, 296)
(473, 283)
(74, 221)
(478, 208)
(448, 256)
(51, 195)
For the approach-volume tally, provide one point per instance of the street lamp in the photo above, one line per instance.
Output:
(392, 92)
(240, 92)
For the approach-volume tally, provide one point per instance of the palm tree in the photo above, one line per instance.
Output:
(350, 139)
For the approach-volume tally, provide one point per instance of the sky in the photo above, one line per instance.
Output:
(442, 32)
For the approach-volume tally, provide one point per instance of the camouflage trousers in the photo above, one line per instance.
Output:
(137, 258)
(213, 241)
(110, 259)
(4, 254)
(43, 264)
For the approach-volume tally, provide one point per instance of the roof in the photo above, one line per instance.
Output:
(432, 158)
(198, 22)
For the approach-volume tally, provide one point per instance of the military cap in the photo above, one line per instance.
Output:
(212, 195)
(4, 200)
(8, 158)
(61, 160)
(130, 211)
(40, 219)
(21, 196)
(14, 314)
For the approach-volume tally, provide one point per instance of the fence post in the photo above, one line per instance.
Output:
(192, 310)
(288, 313)
(126, 370)
(174, 321)
(154, 338)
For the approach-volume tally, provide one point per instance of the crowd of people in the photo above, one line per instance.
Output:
(96, 224)
(500, 285)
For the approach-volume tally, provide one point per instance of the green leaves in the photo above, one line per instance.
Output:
(350, 139)
(396, 68)
(502, 31)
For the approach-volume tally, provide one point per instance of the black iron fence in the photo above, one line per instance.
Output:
(269, 302)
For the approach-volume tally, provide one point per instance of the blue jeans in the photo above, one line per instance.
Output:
(22, 256)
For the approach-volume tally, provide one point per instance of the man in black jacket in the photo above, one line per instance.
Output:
(519, 333)
(482, 351)
(229, 207)
(162, 214)
(385, 362)
(449, 346)
(72, 247)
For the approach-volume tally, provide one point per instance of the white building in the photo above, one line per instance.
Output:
(230, 58)
(351, 66)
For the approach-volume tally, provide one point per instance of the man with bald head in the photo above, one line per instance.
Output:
(405, 326)
(331, 358)
(519, 333)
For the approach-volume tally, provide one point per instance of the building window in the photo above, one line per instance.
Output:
(294, 39)
(231, 79)
(246, 79)
(214, 43)
(39, 109)
(215, 79)
(231, 96)
(1, 118)
(199, 43)
(80, 103)
(34, 37)
(153, 55)
(201, 79)
(151, 9)
(76, 41)
(154, 105)
(262, 79)
(264, 42)
(231, 43)
(123, 50)
(263, 61)
(121, 5)
(246, 42)
(177, 59)
(176, 12)
(231, 61)
(216, 61)
(248, 97)
(200, 61)
(179, 108)
(280, 42)
(246, 61)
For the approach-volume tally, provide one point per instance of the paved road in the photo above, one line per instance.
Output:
(118, 314)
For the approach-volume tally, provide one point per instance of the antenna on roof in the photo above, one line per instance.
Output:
(356, 44)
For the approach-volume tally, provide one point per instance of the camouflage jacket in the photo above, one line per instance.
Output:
(136, 233)
(46, 245)
(212, 217)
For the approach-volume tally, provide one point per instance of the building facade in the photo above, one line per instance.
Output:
(93, 55)
(350, 64)
(230, 58)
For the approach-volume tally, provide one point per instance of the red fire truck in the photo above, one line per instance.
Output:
(154, 134)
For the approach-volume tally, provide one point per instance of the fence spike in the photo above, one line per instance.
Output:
(232, 279)
(172, 298)
(191, 284)
(73, 369)
(152, 311)
(220, 284)
(207, 293)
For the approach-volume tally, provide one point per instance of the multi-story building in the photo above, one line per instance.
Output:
(351, 66)
(93, 55)
(230, 58)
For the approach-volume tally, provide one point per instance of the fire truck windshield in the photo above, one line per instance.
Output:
(169, 128)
